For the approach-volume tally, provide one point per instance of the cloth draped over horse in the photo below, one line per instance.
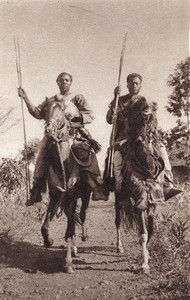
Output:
(143, 165)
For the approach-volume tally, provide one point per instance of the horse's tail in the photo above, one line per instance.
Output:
(128, 214)
(130, 218)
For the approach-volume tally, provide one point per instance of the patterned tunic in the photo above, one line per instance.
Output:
(79, 101)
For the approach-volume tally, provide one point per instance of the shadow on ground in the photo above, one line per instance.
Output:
(32, 258)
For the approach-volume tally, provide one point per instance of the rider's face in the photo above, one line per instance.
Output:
(64, 82)
(134, 85)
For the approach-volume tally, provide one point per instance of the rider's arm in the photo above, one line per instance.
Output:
(86, 113)
(33, 110)
(109, 115)
(110, 112)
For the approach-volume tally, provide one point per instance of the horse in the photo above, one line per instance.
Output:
(142, 170)
(66, 182)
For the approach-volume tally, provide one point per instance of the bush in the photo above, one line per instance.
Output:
(11, 175)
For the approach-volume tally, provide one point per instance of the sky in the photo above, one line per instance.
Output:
(84, 38)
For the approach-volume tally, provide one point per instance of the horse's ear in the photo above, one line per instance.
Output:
(154, 106)
(47, 99)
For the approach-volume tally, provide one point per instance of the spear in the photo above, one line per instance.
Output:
(109, 172)
(19, 75)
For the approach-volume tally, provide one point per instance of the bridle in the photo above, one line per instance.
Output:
(57, 128)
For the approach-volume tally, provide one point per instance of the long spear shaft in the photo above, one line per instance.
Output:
(112, 140)
(19, 74)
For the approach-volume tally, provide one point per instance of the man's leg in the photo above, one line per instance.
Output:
(39, 178)
(168, 186)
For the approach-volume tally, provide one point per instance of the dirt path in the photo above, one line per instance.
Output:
(28, 271)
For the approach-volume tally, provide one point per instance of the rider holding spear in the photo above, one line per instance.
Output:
(79, 113)
(134, 82)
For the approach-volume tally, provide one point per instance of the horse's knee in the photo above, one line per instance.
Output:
(143, 238)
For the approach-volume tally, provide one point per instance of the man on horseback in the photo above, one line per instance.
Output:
(79, 113)
(134, 82)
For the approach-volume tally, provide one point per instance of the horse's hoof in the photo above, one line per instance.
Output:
(74, 252)
(48, 243)
(84, 238)
(120, 250)
(70, 270)
(146, 270)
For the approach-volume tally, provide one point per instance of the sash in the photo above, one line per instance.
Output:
(69, 103)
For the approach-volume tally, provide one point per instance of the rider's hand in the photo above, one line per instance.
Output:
(117, 90)
(22, 93)
(122, 142)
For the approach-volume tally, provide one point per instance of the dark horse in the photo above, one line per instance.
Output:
(65, 181)
(142, 175)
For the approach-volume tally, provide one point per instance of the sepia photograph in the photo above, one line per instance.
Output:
(95, 149)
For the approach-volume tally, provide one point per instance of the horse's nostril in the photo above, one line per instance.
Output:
(50, 129)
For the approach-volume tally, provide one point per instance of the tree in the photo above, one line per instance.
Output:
(12, 175)
(179, 105)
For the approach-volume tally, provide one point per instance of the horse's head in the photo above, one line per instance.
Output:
(140, 110)
(56, 124)
(141, 117)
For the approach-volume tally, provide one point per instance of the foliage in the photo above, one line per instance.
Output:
(30, 150)
(179, 99)
(12, 171)
(179, 230)
(176, 141)
(170, 254)
(11, 174)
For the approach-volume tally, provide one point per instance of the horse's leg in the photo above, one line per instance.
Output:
(144, 241)
(48, 242)
(85, 198)
(51, 211)
(74, 247)
(70, 235)
(69, 262)
(117, 224)
(84, 194)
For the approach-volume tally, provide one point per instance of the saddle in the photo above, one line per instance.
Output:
(82, 153)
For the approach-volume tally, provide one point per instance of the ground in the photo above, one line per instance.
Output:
(29, 271)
